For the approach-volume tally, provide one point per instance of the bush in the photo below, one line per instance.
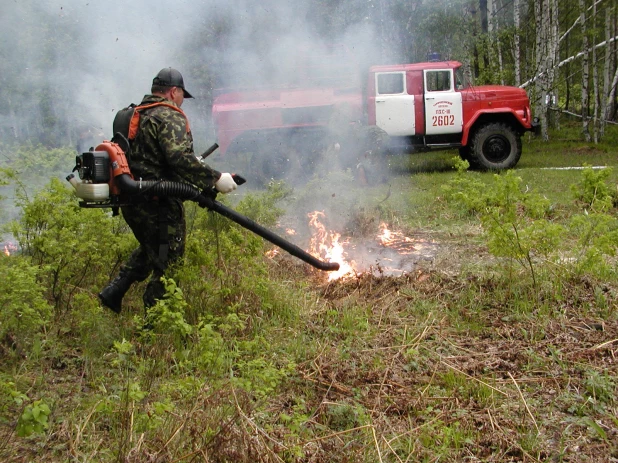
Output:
(24, 312)
(75, 248)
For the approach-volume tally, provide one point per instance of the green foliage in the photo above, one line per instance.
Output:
(519, 224)
(210, 352)
(74, 247)
(24, 312)
(5, 175)
(340, 417)
(263, 208)
(36, 163)
(503, 195)
(10, 399)
(466, 190)
(516, 221)
(596, 230)
(125, 352)
(445, 437)
(244, 355)
(593, 192)
(7, 178)
(601, 387)
(596, 239)
(34, 419)
(260, 377)
(297, 419)
(215, 275)
(167, 315)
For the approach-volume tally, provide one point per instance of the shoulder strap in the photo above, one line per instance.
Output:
(134, 121)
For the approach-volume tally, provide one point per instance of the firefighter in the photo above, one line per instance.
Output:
(161, 150)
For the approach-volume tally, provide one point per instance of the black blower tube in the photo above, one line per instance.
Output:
(188, 192)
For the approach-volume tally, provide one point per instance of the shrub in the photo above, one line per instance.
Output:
(24, 312)
(75, 248)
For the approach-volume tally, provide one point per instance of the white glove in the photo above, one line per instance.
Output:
(225, 184)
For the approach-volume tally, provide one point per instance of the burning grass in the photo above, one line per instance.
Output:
(379, 250)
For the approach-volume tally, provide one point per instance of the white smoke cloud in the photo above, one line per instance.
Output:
(123, 44)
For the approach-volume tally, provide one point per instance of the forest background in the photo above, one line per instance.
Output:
(65, 74)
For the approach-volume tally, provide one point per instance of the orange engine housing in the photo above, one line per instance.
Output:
(118, 163)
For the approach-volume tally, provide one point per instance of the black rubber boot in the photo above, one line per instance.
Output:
(111, 296)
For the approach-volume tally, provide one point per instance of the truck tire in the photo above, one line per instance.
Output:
(495, 146)
(273, 164)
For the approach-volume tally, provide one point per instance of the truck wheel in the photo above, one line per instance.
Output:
(273, 166)
(495, 146)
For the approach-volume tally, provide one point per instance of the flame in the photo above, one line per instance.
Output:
(385, 252)
(9, 248)
(325, 245)
(396, 240)
(272, 253)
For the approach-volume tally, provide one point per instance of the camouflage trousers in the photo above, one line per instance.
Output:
(154, 224)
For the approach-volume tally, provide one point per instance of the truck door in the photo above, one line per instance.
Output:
(394, 107)
(443, 108)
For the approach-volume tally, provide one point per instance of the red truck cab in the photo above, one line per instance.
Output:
(428, 105)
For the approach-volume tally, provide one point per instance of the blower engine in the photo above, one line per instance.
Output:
(106, 181)
(100, 171)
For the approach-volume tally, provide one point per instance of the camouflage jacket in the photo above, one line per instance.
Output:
(163, 148)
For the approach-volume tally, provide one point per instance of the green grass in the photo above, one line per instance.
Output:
(467, 357)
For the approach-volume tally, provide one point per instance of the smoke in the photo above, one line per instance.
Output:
(88, 59)
(71, 64)
(122, 47)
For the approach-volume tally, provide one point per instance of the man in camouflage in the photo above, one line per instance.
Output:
(162, 150)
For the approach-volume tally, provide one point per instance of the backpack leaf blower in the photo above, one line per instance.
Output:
(106, 181)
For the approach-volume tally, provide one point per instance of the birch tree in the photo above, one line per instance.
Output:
(610, 99)
(606, 73)
(585, 72)
(553, 55)
(516, 48)
(494, 35)
(595, 80)
(541, 28)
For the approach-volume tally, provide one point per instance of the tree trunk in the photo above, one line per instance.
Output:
(484, 29)
(611, 99)
(567, 72)
(541, 23)
(475, 48)
(595, 80)
(585, 72)
(494, 38)
(552, 58)
(483, 10)
(470, 45)
(606, 77)
(516, 49)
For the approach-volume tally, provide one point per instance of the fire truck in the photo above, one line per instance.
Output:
(417, 107)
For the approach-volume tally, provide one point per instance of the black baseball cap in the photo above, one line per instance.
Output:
(170, 77)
